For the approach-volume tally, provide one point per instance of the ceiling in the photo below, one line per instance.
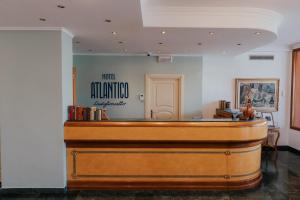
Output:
(85, 19)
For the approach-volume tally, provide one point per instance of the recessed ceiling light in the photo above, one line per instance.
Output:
(199, 43)
(60, 6)
(257, 33)
(211, 33)
(160, 43)
(42, 19)
(163, 32)
(114, 33)
(107, 20)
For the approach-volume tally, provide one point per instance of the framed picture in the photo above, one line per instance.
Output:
(269, 117)
(263, 93)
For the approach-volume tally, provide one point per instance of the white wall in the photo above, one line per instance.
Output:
(132, 69)
(66, 84)
(34, 80)
(219, 73)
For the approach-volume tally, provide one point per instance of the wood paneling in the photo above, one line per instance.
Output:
(295, 97)
(192, 185)
(172, 133)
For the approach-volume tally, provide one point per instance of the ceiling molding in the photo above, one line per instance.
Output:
(211, 17)
(135, 54)
(110, 54)
(295, 46)
(62, 29)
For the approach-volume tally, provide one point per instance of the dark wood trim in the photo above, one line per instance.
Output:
(171, 185)
(160, 144)
(292, 90)
(295, 128)
(74, 85)
(212, 124)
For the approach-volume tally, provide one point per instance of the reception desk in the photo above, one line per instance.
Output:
(138, 154)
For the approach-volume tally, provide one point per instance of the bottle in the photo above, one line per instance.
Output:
(79, 114)
(92, 113)
(104, 114)
(98, 116)
(71, 113)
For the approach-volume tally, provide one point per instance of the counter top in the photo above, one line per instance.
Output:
(166, 123)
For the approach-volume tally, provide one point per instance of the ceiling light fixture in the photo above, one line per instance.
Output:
(114, 33)
(163, 32)
(107, 20)
(211, 33)
(257, 33)
(60, 6)
(42, 19)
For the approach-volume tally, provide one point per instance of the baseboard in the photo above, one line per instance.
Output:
(283, 148)
(295, 151)
(31, 191)
(288, 148)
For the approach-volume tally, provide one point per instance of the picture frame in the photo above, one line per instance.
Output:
(263, 93)
(268, 116)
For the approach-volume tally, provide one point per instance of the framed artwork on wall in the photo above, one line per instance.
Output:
(263, 93)
(268, 116)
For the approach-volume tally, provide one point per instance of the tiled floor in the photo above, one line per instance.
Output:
(281, 180)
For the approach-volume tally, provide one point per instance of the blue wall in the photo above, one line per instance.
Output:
(132, 69)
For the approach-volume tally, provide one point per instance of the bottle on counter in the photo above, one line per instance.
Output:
(86, 114)
(104, 114)
(93, 113)
(71, 113)
(98, 115)
(79, 113)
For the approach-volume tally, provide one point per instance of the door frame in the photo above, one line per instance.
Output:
(148, 78)
(74, 85)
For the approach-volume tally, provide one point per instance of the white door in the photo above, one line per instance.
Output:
(164, 97)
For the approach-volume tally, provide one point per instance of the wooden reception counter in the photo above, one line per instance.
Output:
(203, 154)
